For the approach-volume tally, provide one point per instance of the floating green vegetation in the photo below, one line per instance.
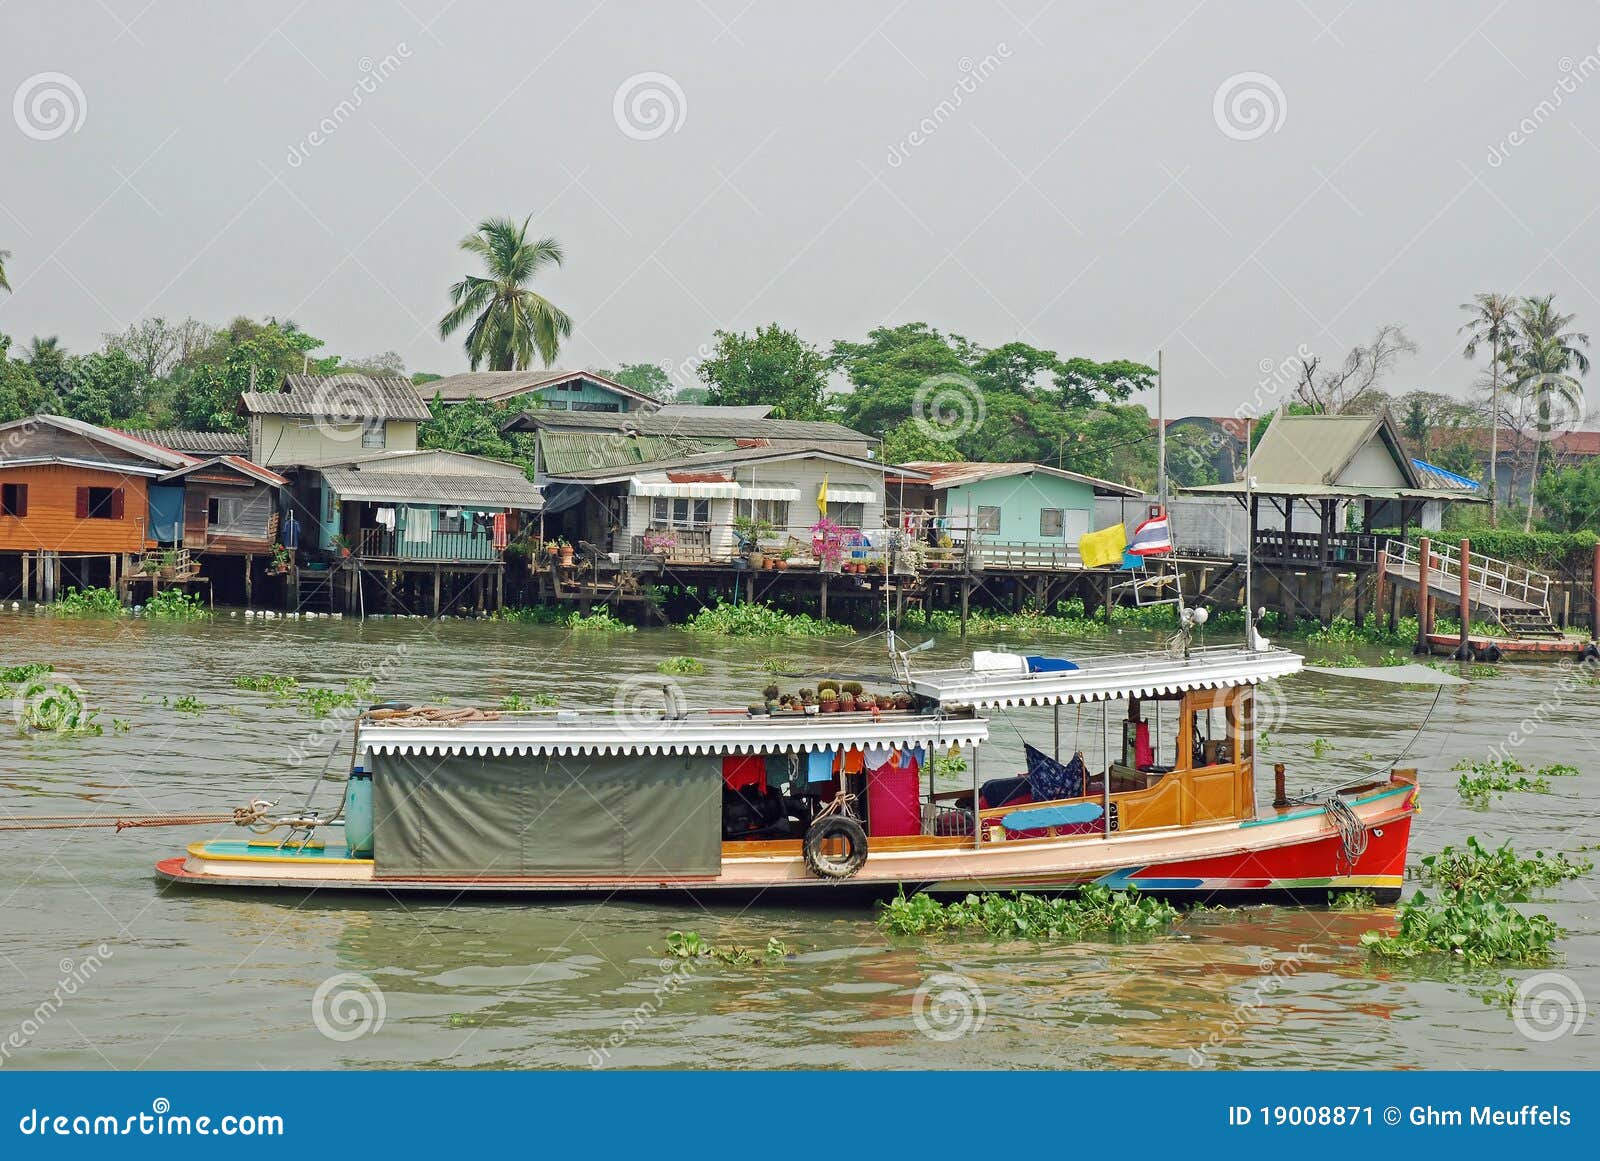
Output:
(1352, 901)
(598, 621)
(1096, 910)
(530, 615)
(277, 684)
(685, 665)
(1558, 770)
(1500, 873)
(45, 707)
(89, 602)
(515, 701)
(1321, 747)
(1480, 779)
(1392, 658)
(728, 620)
(1479, 931)
(25, 672)
(187, 704)
(176, 605)
(319, 701)
(691, 945)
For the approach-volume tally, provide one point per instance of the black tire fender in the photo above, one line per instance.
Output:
(835, 828)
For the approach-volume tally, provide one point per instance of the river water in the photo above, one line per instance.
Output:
(105, 969)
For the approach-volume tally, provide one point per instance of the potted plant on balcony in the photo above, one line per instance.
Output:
(565, 558)
(827, 544)
(282, 558)
(828, 699)
(747, 532)
(659, 543)
(785, 554)
(341, 545)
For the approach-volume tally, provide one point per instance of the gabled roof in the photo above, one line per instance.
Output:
(943, 474)
(342, 398)
(151, 458)
(710, 423)
(431, 476)
(498, 385)
(1308, 455)
(234, 463)
(733, 411)
(735, 457)
(1436, 477)
(195, 443)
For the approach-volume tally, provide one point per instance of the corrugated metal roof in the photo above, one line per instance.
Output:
(944, 474)
(237, 463)
(506, 384)
(733, 456)
(342, 398)
(1436, 477)
(432, 476)
(201, 443)
(108, 437)
(565, 452)
(704, 424)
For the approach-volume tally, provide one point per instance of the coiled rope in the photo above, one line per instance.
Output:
(1352, 831)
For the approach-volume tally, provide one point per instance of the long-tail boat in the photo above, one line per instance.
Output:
(779, 803)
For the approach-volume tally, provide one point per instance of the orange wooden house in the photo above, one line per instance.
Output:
(74, 503)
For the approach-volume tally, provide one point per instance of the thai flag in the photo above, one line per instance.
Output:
(1152, 538)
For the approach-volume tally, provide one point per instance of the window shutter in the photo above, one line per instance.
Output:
(116, 504)
(83, 503)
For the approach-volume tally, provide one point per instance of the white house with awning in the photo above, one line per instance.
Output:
(696, 499)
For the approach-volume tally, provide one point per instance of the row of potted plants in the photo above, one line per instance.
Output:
(830, 696)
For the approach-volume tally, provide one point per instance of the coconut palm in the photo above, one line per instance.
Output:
(510, 322)
(1490, 324)
(1543, 354)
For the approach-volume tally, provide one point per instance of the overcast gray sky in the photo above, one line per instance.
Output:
(1086, 189)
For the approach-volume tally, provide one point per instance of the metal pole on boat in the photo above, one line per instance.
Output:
(1055, 712)
(1105, 782)
(977, 818)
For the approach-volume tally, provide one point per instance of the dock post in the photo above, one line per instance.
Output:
(1379, 584)
(966, 596)
(249, 560)
(1594, 596)
(1464, 649)
(823, 598)
(1280, 795)
(435, 592)
(1424, 558)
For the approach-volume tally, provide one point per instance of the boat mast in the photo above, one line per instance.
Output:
(1161, 432)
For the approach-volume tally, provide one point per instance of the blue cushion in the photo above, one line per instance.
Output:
(1050, 665)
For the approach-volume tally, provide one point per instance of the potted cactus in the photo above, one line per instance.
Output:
(847, 702)
(828, 699)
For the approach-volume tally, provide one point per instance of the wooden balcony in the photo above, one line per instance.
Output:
(1313, 550)
(373, 544)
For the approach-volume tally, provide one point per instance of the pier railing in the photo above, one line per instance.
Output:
(1311, 549)
(1485, 574)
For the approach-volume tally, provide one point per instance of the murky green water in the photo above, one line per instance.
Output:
(205, 980)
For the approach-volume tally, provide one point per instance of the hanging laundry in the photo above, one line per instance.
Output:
(500, 538)
(819, 766)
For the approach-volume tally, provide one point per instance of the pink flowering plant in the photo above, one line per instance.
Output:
(827, 542)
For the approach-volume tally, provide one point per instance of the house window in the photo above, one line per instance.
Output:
(14, 500)
(579, 405)
(680, 512)
(373, 435)
(988, 520)
(774, 512)
(224, 511)
(1052, 522)
(849, 515)
(100, 503)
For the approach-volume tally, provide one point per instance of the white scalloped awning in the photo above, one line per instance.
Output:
(752, 492)
(698, 490)
(1147, 675)
(837, 495)
(697, 734)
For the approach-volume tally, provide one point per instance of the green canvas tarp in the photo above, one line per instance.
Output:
(542, 815)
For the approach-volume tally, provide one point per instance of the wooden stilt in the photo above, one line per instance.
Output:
(1424, 558)
(249, 563)
(436, 580)
(1464, 647)
(823, 597)
(966, 600)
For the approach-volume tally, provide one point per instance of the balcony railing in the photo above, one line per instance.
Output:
(384, 544)
(1274, 546)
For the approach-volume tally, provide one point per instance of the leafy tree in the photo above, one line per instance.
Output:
(1490, 325)
(47, 361)
(646, 378)
(1543, 353)
(1570, 497)
(20, 393)
(773, 367)
(106, 388)
(1352, 388)
(158, 346)
(510, 322)
(909, 440)
(1195, 456)
(473, 426)
(386, 364)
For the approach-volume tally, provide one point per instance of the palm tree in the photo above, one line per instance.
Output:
(1490, 323)
(1544, 353)
(4, 285)
(509, 321)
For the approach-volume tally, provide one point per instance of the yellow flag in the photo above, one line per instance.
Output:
(1104, 547)
(822, 496)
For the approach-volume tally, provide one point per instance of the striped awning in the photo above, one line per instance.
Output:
(699, 490)
(752, 492)
(837, 495)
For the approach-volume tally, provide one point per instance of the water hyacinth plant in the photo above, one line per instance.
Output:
(1478, 931)
(728, 620)
(1500, 873)
(684, 665)
(1097, 910)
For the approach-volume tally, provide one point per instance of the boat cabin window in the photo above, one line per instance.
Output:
(1213, 736)
(1150, 735)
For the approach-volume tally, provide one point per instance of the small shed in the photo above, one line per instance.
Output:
(229, 505)
(1024, 504)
